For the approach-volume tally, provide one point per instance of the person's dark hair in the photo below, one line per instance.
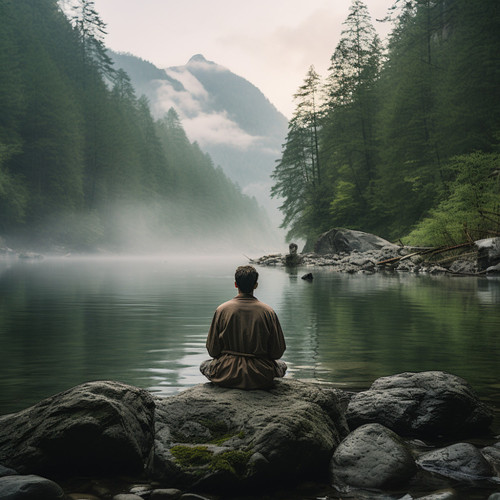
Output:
(246, 277)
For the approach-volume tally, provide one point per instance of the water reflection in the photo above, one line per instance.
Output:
(144, 322)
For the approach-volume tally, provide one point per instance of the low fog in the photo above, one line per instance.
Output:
(173, 226)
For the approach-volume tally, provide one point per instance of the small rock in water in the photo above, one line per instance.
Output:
(308, 277)
(165, 494)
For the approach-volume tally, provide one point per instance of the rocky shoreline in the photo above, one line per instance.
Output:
(413, 435)
(348, 251)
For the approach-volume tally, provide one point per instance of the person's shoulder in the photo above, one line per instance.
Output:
(264, 306)
(228, 304)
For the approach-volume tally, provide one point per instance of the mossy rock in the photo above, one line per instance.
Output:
(194, 458)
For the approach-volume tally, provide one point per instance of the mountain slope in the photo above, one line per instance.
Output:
(225, 114)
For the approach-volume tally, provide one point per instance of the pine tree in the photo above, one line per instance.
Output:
(298, 174)
(348, 136)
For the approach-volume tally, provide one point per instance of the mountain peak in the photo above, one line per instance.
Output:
(198, 58)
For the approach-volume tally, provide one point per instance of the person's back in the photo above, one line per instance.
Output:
(245, 339)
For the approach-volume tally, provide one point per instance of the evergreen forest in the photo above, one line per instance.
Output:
(83, 164)
(400, 139)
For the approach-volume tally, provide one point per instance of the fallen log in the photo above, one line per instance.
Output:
(429, 251)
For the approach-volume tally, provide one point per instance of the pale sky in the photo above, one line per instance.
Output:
(271, 43)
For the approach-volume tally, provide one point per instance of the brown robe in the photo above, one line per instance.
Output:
(245, 338)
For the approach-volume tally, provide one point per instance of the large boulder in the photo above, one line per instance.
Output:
(424, 404)
(372, 457)
(212, 437)
(94, 428)
(347, 240)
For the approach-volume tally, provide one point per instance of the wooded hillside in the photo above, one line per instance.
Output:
(402, 140)
(82, 161)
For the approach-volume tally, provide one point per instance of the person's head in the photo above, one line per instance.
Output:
(246, 279)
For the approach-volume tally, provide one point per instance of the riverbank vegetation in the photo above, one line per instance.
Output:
(402, 140)
(82, 161)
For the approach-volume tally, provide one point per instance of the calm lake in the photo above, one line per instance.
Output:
(144, 322)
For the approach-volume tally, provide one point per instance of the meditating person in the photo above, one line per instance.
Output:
(245, 339)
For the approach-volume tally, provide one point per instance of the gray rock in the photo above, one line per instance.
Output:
(82, 496)
(287, 432)
(463, 266)
(371, 457)
(424, 404)
(127, 496)
(448, 494)
(347, 240)
(165, 494)
(488, 253)
(94, 428)
(493, 269)
(492, 454)
(29, 487)
(461, 461)
(494, 496)
(5, 471)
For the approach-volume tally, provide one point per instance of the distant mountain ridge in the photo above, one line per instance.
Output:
(229, 117)
(244, 102)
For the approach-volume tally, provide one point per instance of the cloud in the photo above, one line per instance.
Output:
(195, 111)
(217, 129)
(185, 103)
(188, 80)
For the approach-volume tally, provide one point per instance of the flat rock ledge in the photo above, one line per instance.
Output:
(209, 440)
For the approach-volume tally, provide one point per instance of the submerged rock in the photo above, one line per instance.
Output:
(372, 457)
(424, 404)
(95, 428)
(216, 437)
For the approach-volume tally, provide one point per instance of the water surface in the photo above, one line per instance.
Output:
(144, 322)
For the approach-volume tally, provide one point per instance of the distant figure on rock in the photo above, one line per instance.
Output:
(245, 339)
(293, 259)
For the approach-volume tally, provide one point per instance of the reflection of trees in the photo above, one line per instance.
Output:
(63, 324)
(353, 329)
(67, 323)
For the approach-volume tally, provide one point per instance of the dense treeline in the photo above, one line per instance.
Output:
(82, 162)
(401, 140)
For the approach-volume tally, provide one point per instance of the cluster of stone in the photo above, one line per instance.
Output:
(209, 440)
(349, 251)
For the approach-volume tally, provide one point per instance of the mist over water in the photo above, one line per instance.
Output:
(144, 321)
(158, 228)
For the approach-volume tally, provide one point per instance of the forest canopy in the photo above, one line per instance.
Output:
(400, 140)
(82, 162)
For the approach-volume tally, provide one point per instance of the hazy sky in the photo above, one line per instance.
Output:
(271, 43)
